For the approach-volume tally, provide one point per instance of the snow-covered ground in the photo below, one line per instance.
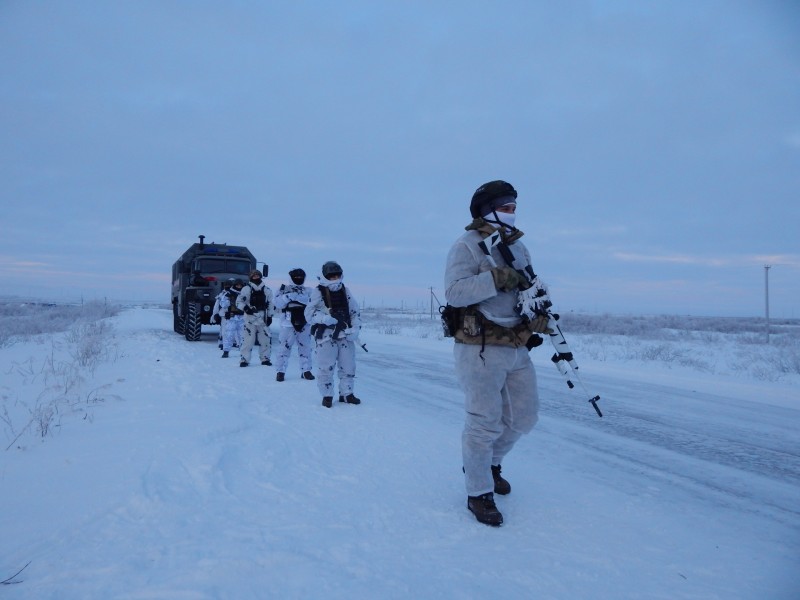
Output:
(172, 473)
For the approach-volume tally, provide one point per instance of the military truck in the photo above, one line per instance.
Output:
(197, 278)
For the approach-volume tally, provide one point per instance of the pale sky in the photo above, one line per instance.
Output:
(655, 145)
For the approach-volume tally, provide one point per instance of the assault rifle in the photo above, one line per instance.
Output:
(342, 322)
(534, 301)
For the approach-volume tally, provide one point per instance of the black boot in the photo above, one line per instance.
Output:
(279, 376)
(266, 362)
(501, 486)
(243, 363)
(484, 509)
(351, 399)
(225, 354)
(327, 401)
(308, 375)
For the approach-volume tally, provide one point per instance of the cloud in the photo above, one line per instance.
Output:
(588, 232)
(784, 260)
(159, 277)
(314, 244)
(33, 271)
(15, 264)
(359, 246)
(673, 259)
(710, 261)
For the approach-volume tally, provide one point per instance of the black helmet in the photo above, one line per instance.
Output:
(331, 268)
(486, 195)
(298, 276)
(239, 282)
(228, 283)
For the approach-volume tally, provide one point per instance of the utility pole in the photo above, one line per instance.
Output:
(766, 297)
(433, 297)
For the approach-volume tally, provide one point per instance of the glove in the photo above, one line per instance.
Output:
(533, 342)
(340, 328)
(227, 314)
(506, 279)
(216, 319)
(329, 320)
(249, 310)
(351, 334)
(269, 321)
(539, 324)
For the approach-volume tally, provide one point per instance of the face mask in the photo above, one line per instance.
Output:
(506, 219)
(333, 286)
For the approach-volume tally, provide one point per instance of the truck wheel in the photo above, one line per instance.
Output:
(193, 323)
(177, 322)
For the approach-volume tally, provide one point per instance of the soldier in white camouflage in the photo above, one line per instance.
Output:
(491, 346)
(255, 301)
(233, 318)
(294, 330)
(335, 324)
(218, 312)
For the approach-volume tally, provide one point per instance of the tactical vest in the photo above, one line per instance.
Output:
(336, 302)
(258, 299)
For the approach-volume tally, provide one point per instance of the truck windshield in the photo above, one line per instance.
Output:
(223, 265)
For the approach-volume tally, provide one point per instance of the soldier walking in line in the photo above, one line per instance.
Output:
(255, 301)
(291, 301)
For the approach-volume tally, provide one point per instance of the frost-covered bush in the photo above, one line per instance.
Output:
(661, 326)
(389, 329)
(399, 322)
(720, 345)
(88, 342)
(789, 361)
(51, 387)
(22, 320)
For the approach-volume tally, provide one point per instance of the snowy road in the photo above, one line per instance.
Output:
(710, 445)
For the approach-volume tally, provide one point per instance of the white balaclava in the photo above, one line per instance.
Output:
(491, 215)
(329, 268)
(333, 286)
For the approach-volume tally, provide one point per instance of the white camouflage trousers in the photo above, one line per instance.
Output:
(502, 404)
(335, 354)
(254, 325)
(222, 324)
(287, 338)
(234, 332)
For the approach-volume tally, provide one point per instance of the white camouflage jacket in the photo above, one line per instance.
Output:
(243, 299)
(468, 279)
